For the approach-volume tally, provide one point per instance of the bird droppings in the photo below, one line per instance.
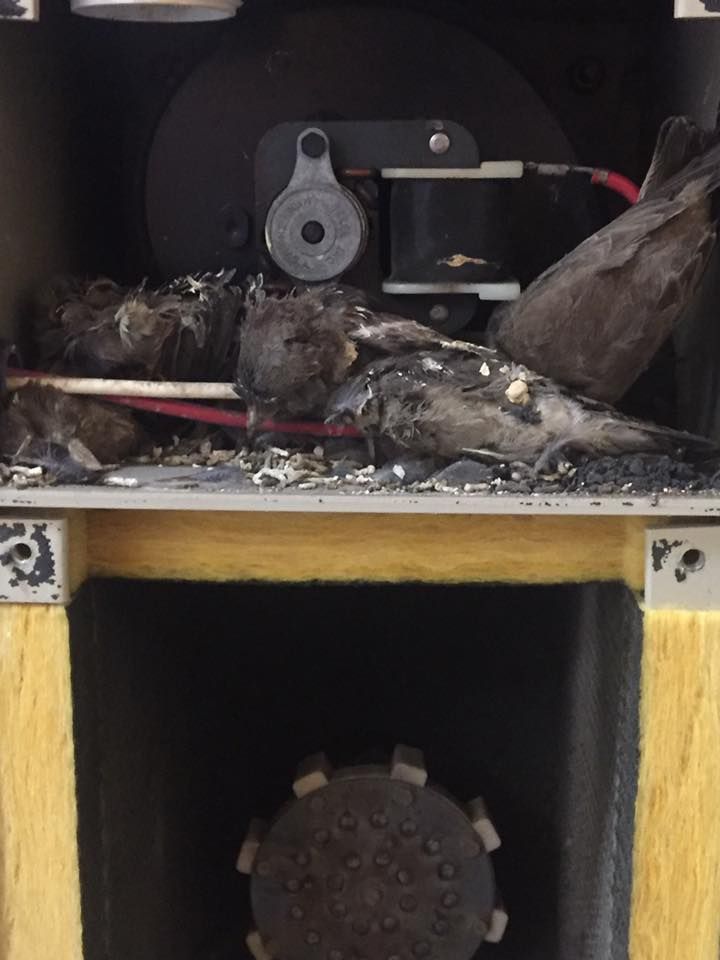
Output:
(518, 392)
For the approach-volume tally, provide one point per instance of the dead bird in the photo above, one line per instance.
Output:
(185, 329)
(595, 320)
(68, 436)
(453, 404)
(297, 349)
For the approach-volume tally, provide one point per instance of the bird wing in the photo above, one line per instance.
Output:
(595, 319)
(440, 404)
(390, 334)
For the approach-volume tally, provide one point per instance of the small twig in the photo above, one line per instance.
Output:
(100, 386)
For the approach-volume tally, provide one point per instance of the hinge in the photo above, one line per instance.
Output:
(34, 560)
(682, 567)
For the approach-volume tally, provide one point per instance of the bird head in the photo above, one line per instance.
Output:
(278, 369)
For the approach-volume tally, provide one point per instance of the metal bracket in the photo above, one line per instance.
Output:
(34, 565)
(685, 9)
(682, 567)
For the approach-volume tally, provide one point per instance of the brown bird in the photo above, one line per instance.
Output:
(186, 329)
(595, 320)
(454, 404)
(71, 437)
(296, 350)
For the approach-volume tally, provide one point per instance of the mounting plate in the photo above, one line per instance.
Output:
(688, 9)
(34, 560)
(682, 569)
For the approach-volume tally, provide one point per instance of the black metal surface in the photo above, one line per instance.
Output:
(346, 62)
(450, 231)
(372, 867)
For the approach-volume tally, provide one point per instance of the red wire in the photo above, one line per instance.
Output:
(618, 184)
(204, 414)
(230, 418)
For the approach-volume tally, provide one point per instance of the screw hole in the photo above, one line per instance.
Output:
(21, 552)
(693, 560)
(313, 232)
(313, 145)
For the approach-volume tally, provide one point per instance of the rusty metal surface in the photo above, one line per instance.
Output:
(369, 867)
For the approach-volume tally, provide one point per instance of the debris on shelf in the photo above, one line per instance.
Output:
(344, 466)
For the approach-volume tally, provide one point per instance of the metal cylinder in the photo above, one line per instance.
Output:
(157, 11)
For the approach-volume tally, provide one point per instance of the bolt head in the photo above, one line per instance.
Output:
(439, 143)
(439, 313)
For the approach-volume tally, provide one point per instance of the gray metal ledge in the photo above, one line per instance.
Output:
(337, 501)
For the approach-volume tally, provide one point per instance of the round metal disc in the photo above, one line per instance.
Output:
(340, 223)
(370, 867)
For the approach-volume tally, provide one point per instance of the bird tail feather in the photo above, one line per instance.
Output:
(623, 435)
(679, 142)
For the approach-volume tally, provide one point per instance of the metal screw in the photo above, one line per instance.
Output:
(312, 937)
(446, 871)
(439, 143)
(297, 912)
(439, 313)
(292, 886)
(432, 846)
